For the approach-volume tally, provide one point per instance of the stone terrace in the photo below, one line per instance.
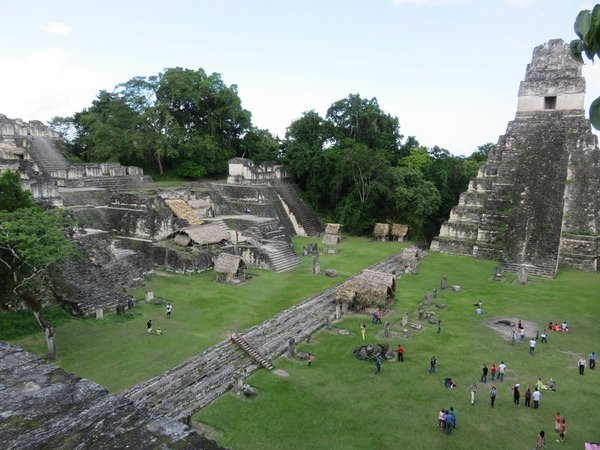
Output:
(181, 391)
(45, 407)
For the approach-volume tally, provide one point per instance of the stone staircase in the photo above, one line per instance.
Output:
(281, 255)
(184, 389)
(539, 270)
(241, 343)
(305, 217)
(46, 155)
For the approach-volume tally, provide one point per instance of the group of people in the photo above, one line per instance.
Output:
(556, 327)
(493, 370)
(447, 420)
(159, 332)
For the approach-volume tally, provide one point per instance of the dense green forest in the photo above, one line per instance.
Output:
(353, 165)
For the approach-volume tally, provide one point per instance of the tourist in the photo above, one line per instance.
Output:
(557, 422)
(540, 441)
(551, 384)
(520, 325)
(513, 336)
(441, 419)
(439, 326)
(550, 326)
(377, 316)
(501, 371)
(522, 333)
(516, 394)
(493, 396)
(537, 335)
(563, 430)
(400, 351)
(528, 397)
(581, 364)
(593, 361)
(484, 372)
(453, 414)
(432, 364)
(160, 332)
(378, 364)
(493, 371)
(536, 396)
(363, 330)
(544, 337)
(473, 389)
(449, 421)
(564, 326)
(532, 343)
(169, 309)
(539, 385)
(309, 359)
(478, 311)
(449, 383)
(149, 326)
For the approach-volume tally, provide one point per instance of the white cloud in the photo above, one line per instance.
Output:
(46, 84)
(56, 29)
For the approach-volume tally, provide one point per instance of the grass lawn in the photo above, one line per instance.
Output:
(340, 403)
(117, 353)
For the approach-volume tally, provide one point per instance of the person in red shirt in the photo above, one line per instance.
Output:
(563, 430)
(400, 351)
(557, 422)
(493, 371)
(309, 358)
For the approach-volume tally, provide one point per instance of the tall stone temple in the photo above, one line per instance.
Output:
(535, 201)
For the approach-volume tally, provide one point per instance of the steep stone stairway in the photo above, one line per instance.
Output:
(241, 343)
(200, 380)
(305, 217)
(281, 255)
(46, 155)
(539, 270)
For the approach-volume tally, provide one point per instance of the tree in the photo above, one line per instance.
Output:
(482, 152)
(260, 145)
(12, 195)
(587, 28)
(31, 241)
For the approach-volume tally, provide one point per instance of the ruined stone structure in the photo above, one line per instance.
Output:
(45, 407)
(534, 203)
(242, 170)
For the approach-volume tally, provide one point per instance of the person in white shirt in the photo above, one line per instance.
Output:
(169, 309)
(581, 364)
(536, 396)
(501, 370)
(532, 343)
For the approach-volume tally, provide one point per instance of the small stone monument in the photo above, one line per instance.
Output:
(498, 273)
(304, 251)
(291, 350)
(316, 265)
(443, 282)
(338, 312)
(422, 314)
(149, 296)
(522, 275)
(386, 330)
(130, 303)
(456, 288)
(328, 322)
(405, 319)
(99, 313)
(331, 273)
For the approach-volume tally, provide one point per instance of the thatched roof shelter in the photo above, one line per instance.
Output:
(367, 289)
(230, 268)
(333, 228)
(227, 263)
(399, 231)
(381, 230)
(203, 234)
(183, 210)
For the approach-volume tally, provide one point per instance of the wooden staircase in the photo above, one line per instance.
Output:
(241, 343)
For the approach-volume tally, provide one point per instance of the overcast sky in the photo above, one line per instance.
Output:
(448, 69)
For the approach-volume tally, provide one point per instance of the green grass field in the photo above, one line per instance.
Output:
(340, 403)
(117, 353)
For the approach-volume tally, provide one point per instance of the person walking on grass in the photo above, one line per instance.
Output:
(532, 343)
(377, 364)
(441, 419)
(484, 372)
(473, 389)
(493, 396)
(309, 359)
(593, 361)
(363, 330)
(540, 442)
(516, 394)
(544, 337)
(581, 364)
(536, 396)
(449, 419)
(522, 333)
(452, 412)
(501, 370)
(432, 364)
(557, 422)
(528, 397)
(149, 326)
(169, 309)
(400, 351)
(493, 371)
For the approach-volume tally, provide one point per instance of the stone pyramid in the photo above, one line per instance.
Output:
(534, 203)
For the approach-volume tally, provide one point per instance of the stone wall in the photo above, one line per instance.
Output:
(242, 170)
